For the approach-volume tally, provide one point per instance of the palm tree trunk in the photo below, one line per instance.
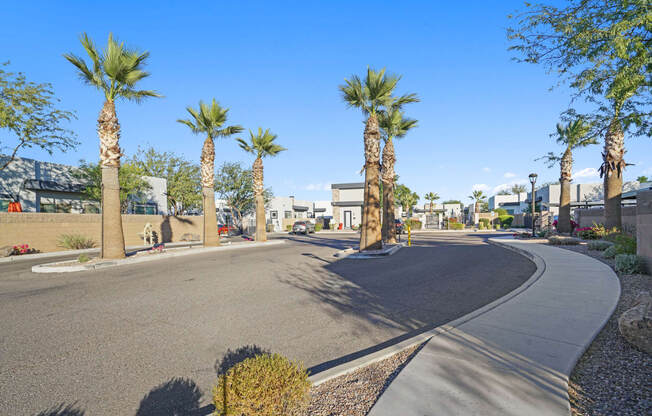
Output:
(612, 170)
(211, 235)
(370, 233)
(108, 129)
(389, 227)
(257, 172)
(563, 221)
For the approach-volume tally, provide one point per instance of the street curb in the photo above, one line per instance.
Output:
(384, 353)
(25, 257)
(50, 268)
(376, 254)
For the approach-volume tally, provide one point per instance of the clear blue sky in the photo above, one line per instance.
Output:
(483, 118)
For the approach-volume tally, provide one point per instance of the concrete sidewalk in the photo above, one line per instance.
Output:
(515, 358)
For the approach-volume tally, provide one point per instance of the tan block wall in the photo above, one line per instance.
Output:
(41, 231)
(644, 227)
(586, 217)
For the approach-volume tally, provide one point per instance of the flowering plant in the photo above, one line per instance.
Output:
(22, 249)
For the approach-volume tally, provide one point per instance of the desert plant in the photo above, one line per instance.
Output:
(288, 228)
(558, 240)
(600, 245)
(414, 224)
(83, 258)
(265, 385)
(613, 251)
(626, 242)
(319, 226)
(586, 233)
(456, 226)
(628, 264)
(75, 241)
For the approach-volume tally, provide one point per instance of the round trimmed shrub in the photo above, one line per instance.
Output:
(265, 385)
(319, 226)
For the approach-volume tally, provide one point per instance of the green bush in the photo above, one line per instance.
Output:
(456, 226)
(600, 245)
(557, 240)
(484, 221)
(265, 385)
(588, 234)
(288, 228)
(414, 224)
(628, 243)
(319, 226)
(497, 227)
(613, 251)
(506, 220)
(83, 258)
(75, 241)
(628, 264)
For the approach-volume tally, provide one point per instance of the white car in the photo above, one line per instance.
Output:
(304, 227)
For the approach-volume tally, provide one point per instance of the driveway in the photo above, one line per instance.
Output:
(147, 339)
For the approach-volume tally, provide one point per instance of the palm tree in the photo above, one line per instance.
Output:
(369, 96)
(573, 136)
(262, 145)
(642, 179)
(209, 120)
(406, 199)
(393, 125)
(479, 197)
(518, 190)
(613, 165)
(432, 197)
(115, 71)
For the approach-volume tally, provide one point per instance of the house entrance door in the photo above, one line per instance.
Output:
(347, 219)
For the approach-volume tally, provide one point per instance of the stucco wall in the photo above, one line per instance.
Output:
(644, 227)
(41, 231)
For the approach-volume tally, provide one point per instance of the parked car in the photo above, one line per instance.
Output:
(399, 226)
(304, 227)
(226, 229)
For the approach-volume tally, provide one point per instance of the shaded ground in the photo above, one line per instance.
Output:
(122, 340)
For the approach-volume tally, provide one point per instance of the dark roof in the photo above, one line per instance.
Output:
(37, 185)
(510, 204)
(299, 208)
(320, 209)
(347, 203)
(353, 185)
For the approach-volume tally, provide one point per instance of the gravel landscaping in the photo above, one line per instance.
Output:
(355, 393)
(613, 377)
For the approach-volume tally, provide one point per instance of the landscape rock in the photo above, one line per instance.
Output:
(6, 251)
(190, 237)
(635, 324)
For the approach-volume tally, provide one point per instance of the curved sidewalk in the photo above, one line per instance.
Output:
(515, 358)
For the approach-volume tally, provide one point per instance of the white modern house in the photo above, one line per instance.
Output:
(346, 203)
(512, 203)
(548, 196)
(439, 213)
(52, 187)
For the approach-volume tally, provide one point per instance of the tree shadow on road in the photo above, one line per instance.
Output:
(231, 357)
(176, 397)
(63, 410)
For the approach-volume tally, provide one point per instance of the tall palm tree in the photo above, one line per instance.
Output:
(573, 135)
(478, 196)
(369, 96)
(393, 125)
(115, 71)
(209, 120)
(518, 190)
(613, 164)
(431, 197)
(262, 145)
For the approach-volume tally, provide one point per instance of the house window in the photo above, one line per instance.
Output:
(274, 215)
(288, 214)
(145, 209)
(90, 208)
(53, 205)
(4, 205)
(311, 215)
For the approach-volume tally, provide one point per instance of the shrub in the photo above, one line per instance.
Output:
(506, 220)
(628, 243)
(319, 226)
(265, 385)
(557, 240)
(22, 249)
(613, 251)
(288, 228)
(497, 227)
(628, 264)
(500, 211)
(484, 221)
(600, 245)
(75, 241)
(414, 224)
(456, 226)
(83, 258)
(586, 233)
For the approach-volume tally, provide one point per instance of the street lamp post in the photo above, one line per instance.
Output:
(533, 180)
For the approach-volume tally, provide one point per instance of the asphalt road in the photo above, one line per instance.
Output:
(147, 339)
